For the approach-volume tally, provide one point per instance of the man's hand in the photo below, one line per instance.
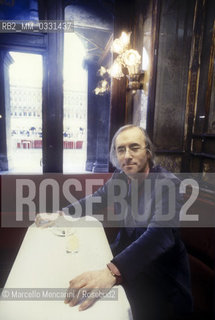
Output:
(89, 286)
(45, 220)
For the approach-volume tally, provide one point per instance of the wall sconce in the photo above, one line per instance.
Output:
(127, 63)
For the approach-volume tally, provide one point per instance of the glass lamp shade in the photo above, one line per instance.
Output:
(125, 39)
(117, 46)
(132, 60)
(102, 71)
(116, 70)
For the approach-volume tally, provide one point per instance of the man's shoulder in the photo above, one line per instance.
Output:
(158, 172)
(158, 169)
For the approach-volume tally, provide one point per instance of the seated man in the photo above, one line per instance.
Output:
(150, 260)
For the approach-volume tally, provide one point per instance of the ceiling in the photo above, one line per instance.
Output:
(93, 23)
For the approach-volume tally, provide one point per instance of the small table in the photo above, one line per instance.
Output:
(42, 262)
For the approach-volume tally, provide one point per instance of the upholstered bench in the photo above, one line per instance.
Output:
(200, 244)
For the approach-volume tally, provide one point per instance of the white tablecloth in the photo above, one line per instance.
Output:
(42, 262)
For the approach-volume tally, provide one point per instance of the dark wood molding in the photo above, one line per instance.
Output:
(173, 152)
(5, 61)
(203, 155)
(124, 21)
(210, 79)
(153, 74)
(53, 93)
(193, 80)
(204, 135)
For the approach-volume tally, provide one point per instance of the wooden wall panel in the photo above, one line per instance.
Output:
(172, 73)
(205, 109)
(169, 161)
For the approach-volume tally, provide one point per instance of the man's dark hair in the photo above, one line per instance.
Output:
(149, 145)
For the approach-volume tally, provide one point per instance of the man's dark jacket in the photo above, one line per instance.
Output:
(149, 252)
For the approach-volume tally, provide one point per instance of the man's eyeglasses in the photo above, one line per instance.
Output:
(133, 149)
